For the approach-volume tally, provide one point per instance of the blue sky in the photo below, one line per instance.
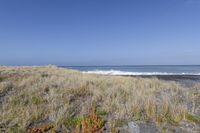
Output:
(99, 32)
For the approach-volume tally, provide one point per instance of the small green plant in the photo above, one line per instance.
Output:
(101, 113)
(120, 123)
(16, 101)
(44, 75)
(192, 117)
(163, 131)
(14, 129)
(36, 100)
(170, 119)
(138, 113)
(71, 122)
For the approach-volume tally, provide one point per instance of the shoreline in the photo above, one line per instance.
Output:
(170, 77)
(185, 80)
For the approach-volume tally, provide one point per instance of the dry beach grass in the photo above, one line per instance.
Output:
(34, 96)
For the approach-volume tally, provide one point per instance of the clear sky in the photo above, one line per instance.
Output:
(99, 32)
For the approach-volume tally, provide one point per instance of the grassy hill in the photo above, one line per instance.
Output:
(51, 98)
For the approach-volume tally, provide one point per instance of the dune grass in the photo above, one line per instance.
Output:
(29, 95)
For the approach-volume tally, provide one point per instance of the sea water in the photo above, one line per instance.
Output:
(140, 69)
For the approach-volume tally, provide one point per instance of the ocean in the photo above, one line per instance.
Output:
(140, 69)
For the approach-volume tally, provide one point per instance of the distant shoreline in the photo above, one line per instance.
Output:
(139, 70)
(170, 77)
(186, 80)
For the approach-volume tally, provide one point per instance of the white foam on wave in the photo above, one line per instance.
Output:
(117, 72)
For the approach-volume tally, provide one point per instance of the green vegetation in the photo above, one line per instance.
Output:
(72, 122)
(193, 118)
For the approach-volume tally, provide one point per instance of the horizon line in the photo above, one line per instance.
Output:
(117, 65)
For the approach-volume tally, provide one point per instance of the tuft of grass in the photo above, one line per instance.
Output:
(44, 75)
(72, 122)
(15, 129)
(192, 117)
(120, 123)
(36, 100)
(101, 113)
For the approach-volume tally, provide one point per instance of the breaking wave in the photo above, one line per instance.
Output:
(117, 72)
